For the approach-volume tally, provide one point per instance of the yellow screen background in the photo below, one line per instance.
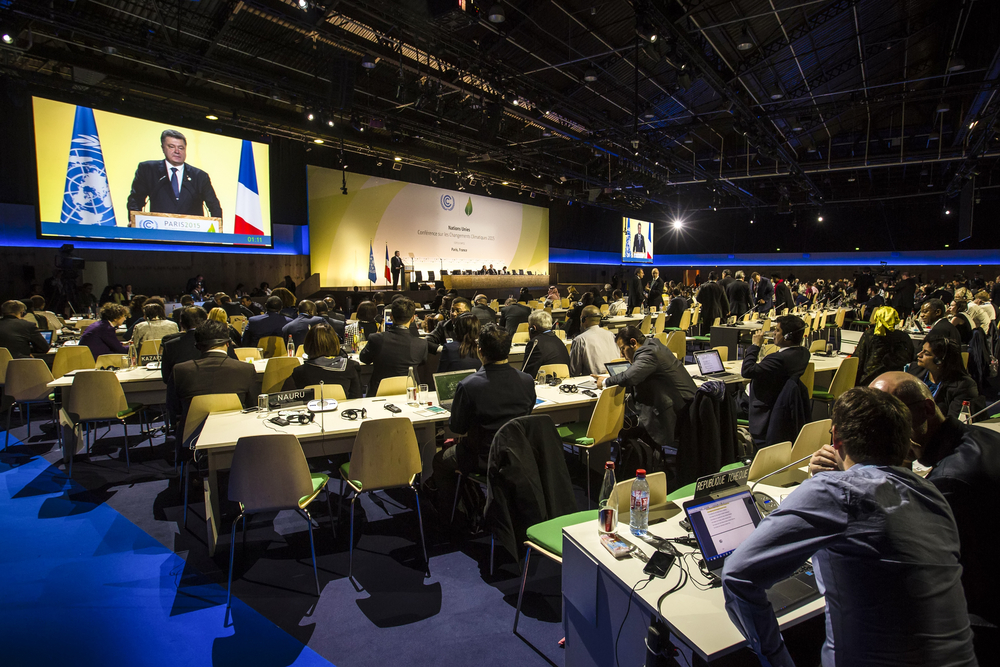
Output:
(127, 141)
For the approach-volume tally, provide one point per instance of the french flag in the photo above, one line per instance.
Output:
(248, 219)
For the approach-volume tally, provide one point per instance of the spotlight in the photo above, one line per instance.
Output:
(317, 141)
(819, 218)
(211, 116)
(397, 159)
(775, 92)
(947, 211)
(505, 183)
(303, 5)
(955, 64)
(367, 61)
(7, 38)
(678, 224)
(646, 31)
(649, 114)
(745, 42)
(329, 122)
(590, 76)
(496, 14)
(796, 124)
(944, 107)
(310, 116)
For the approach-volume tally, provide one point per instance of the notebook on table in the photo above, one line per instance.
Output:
(445, 384)
(710, 367)
(721, 524)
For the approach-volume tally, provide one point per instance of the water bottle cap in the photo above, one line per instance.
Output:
(965, 403)
(610, 465)
(640, 473)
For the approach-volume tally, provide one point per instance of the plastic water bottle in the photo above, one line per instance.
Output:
(639, 506)
(291, 347)
(965, 416)
(412, 389)
(607, 505)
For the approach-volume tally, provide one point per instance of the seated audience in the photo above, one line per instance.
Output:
(573, 316)
(882, 348)
(481, 310)
(884, 546)
(219, 315)
(178, 348)
(461, 353)
(298, 327)
(288, 301)
(269, 324)
(619, 304)
(154, 327)
(393, 352)
(46, 318)
(940, 366)
(135, 314)
(335, 320)
(100, 336)
(543, 347)
(252, 307)
(186, 302)
(325, 364)
(962, 319)
(516, 314)
(19, 336)
(367, 324)
(594, 347)
(446, 329)
(932, 314)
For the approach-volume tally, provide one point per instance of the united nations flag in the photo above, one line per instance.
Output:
(87, 198)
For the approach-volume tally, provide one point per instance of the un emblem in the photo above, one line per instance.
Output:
(147, 223)
(447, 202)
(87, 197)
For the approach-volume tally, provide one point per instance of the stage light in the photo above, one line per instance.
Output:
(947, 245)
(367, 61)
(310, 116)
(397, 159)
(590, 76)
(329, 122)
(317, 141)
(745, 43)
(7, 38)
(505, 183)
(955, 64)
(819, 218)
(211, 116)
(857, 248)
(303, 5)
(496, 14)
(646, 31)
(947, 212)
(678, 224)
(775, 92)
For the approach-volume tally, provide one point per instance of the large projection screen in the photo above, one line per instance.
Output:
(637, 241)
(443, 229)
(89, 160)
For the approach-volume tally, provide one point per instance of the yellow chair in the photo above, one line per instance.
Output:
(818, 345)
(83, 324)
(659, 323)
(199, 410)
(769, 459)
(677, 342)
(72, 358)
(300, 351)
(812, 436)
(522, 328)
(843, 379)
(559, 370)
(385, 456)
(605, 423)
(26, 383)
(965, 359)
(5, 357)
(277, 370)
(392, 386)
(685, 322)
(244, 353)
(97, 396)
(723, 351)
(151, 348)
(238, 322)
(646, 325)
(605, 309)
(334, 391)
(769, 348)
(657, 494)
(637, 310)
(520, 338)
(272, 346)
(560, 334)
(106, 361)
(809, 379)
(269, 473)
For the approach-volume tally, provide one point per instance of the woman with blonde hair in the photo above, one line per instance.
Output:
(219, 315)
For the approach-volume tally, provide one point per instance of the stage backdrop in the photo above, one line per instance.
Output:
(441, 228)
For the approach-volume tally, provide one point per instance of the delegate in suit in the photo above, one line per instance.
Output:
(639, 243)
(170, 185)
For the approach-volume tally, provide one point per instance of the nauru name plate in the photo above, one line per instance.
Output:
(174, 222)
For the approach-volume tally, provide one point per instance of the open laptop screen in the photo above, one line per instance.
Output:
(722, 524)
(709, 361)
(616, 367)
(47, 335)
(446, 384)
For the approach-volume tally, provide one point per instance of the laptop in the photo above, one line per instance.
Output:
(445, 384)
(720, 524)
(616, 367)
(47, 335)
(710, 367)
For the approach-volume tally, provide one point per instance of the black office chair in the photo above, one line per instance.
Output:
(430, 276)
(418, 276)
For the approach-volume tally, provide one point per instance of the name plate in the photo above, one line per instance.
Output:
(175, 223)
(150, 359)
(288, 399)
(709, 484)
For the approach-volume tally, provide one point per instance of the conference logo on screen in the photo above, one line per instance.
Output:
(146, 223)
(447, 202)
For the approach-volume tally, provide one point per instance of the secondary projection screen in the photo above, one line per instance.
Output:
(442, 229)
(637, 241)
(105, 176)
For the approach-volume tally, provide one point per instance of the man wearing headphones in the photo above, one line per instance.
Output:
(543, 347)
(769, 375)
(214, 372)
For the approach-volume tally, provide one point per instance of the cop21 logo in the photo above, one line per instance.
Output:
(447, 202)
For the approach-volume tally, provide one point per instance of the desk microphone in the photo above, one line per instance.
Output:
(987, 408)
(322, 415)
(762, 499)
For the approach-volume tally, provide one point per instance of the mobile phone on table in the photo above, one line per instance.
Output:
(659, 564)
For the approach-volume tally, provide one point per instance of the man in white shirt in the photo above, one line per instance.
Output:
(594, 347)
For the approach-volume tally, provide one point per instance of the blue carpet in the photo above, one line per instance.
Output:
(82, 585)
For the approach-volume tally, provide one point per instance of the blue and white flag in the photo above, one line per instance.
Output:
(87, 199)
(372, 276)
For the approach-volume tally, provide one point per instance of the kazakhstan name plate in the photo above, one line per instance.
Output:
(175, 223)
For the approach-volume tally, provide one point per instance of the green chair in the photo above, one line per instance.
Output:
(546, 539)
(604, 425)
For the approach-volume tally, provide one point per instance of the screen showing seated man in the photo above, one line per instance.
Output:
(107, 176)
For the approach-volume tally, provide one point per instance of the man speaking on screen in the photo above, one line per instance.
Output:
(171, 185)
(639, 243)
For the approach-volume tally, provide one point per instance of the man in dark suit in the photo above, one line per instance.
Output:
(250, 307)
(269, 324)
(862, 283)
(906, 290)
(727, 280)
(874, 301)
(186, 302)
(394, 351)
(482, 311)
(675, 309)
(635, 295)
(768, 376)
(639, 243)
(714, 303)
(738, 293)
(170, 185)
(655, 298)
(543, 347)
(782, 294)
(512, 316)
(933, 314)
(299, 327)
(214, 372)
(178, 348)
(446, 329)
(660, 386)
(17, 334)
(763, 293)
(396, 265)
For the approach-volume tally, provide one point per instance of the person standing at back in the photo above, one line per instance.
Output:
(655, 298)
(714, 303)
(635, 294)
(738, 293)
(394, 351)
(514, 315)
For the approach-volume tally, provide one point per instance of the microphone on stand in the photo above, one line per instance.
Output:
(986, 409)
(762, 499)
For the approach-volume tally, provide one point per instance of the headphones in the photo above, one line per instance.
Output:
(352, 414)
